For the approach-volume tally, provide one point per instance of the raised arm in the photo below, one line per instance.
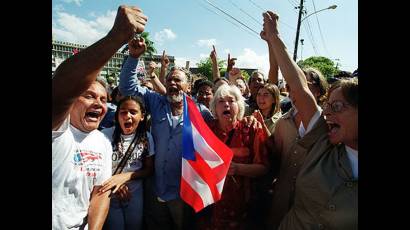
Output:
(231, 63)
(273, 64)
(158, 86)
(164, 67)
(301, 95)
(77, 73)
(128, 81)
(156, 83)
(215, 68)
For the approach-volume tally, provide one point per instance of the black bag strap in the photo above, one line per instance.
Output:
(230, 135)
(126, 156)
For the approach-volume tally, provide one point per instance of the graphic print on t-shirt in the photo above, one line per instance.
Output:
(87, 161)
(133, 162)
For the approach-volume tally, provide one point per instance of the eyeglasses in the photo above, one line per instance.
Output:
(336, 106)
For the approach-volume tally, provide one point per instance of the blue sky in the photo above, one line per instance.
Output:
(187, 29)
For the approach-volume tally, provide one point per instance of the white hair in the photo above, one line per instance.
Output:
(228, 90)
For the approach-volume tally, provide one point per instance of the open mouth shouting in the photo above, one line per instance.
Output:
(334, 129)
(93, 116)
(128, 127)
(227, 114)
(174, 94)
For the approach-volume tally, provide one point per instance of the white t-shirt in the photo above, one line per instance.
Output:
(79, 162)
(134, 163)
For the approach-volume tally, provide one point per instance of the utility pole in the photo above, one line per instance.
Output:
(301, 48)
(298, 30)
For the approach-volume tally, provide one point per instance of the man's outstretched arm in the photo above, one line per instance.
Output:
(78, 72)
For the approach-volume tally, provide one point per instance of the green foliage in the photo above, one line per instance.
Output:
(150, 45)
(110, 78)
(245, 75)
(205, 67)
(323, 64)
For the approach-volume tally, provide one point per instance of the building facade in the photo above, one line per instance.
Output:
(63, 50)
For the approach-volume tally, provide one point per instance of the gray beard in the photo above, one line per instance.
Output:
(175, 98)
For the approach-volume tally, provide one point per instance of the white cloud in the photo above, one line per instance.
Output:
(163, 35)
(77, 2)
(203, 56)
(68, 27)
(207, 42)
(250, 59)
(105, 22)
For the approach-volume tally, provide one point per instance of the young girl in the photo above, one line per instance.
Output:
(132, 152)
(269, 107)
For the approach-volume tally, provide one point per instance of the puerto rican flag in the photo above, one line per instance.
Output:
(205, 160)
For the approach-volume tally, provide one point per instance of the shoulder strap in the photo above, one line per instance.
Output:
(228, 142)
(126, 156)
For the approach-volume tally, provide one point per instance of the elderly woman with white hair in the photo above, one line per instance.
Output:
(249, 160)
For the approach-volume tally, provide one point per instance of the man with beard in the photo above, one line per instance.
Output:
(81, 155)
(163, 207)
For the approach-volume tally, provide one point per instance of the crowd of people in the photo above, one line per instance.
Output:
(116, 157)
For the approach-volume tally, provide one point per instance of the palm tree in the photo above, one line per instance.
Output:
(150, 45)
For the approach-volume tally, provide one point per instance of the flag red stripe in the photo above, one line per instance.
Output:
(190, 196)
(213, 141)
(208, 174)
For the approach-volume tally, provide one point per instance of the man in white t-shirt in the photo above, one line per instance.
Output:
(81, 155)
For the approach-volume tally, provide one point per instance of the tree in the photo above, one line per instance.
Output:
(245, 75)
(323, 64)
(205, 67)
(150, 45)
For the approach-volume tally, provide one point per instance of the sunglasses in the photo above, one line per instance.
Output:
(336, 106)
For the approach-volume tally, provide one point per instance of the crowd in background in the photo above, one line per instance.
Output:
(117, 151)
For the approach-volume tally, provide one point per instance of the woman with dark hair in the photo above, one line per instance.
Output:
(269, 107)
(320, 186)
(132, 159)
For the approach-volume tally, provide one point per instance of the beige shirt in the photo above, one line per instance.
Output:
(271, 122)
(326, 193)
(292, 151)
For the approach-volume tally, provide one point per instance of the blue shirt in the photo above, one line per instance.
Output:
(109, 118)
(168, 140)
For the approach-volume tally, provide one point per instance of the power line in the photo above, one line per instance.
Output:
(257, 5)
(320, 30)
(313, 37)
(293, 28)
(233, 23)
(292, 4)
(232, 17)
(296, 2)
(280, 21)
(245, 12)
(310, 35)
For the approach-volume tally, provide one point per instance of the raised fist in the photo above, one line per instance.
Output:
(270, 25)
(129, 21)
(137, 47)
